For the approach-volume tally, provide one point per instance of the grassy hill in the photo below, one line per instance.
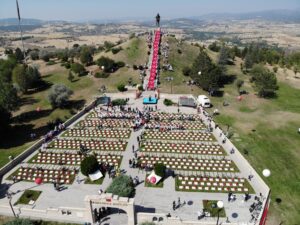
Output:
(85, 88)
(133, 52)
(178, 62)
(265, 129)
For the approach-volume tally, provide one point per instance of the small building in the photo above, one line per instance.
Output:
(187, 101)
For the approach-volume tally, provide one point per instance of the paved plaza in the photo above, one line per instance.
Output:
(146, 199)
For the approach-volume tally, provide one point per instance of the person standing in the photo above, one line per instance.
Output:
(174, 205)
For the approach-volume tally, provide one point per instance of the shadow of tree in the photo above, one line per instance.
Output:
(75, 104)
(18, 135)
(31, 115)
(44, 85)
(27, 101)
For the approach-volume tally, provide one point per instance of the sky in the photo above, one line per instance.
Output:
(81, 10)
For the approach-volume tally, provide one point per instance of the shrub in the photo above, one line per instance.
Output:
(120, 64)
(159, 169)
(179, 51)
(121, 87)
(101, 75)
(108, 45)
(135, 67)
(44, 55)
(168, 102)
(20, 222)
(51, 62)
(89, 165)
(147, 223)
(141, 88)
(132, 35)
(116, 50)
(186, 71)
(59, 95)
(107, 63)
(78, 68)
(34, 55)
(119, 101)
(122, 186)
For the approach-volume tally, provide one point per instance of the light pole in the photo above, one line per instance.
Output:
(170, 79)
(220, 206)
(9, 197)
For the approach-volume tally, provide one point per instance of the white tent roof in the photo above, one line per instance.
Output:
(95, 176)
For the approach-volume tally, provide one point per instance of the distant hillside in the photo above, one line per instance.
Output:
(25, 21)
(288, 16)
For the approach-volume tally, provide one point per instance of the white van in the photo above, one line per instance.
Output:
(204, 101)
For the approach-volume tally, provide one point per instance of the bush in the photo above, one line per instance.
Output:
(101, 75)
(59, 95)
(119, 101)
(159, 169)
(168, 102)
(20, 222)
(34, 55)
(141, 88)
(49, 63)
(121, 87)
(78, 68)
(44, 55)
(108, 64)
(116, 50)
(186, 71)
(120, 64)
(122, 186)
(214, 47)
(89, 165)
(179, 51)
(147, 223)
(135, 67)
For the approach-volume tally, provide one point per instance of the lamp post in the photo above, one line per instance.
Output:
(9, 197)
(220, 206)
(170, 79)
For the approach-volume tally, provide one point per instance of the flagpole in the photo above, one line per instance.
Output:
(19, 18)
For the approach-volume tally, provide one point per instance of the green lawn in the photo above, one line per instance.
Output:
(178, 62)
(27, 196)
(97, 182)
(5, 219)
(211, 207)
(267, 130)
(134, 52)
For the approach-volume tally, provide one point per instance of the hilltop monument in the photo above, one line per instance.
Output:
(157, 19)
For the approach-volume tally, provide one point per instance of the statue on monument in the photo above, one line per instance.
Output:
(157, 19)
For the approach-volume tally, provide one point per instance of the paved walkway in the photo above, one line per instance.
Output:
(157, 200)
